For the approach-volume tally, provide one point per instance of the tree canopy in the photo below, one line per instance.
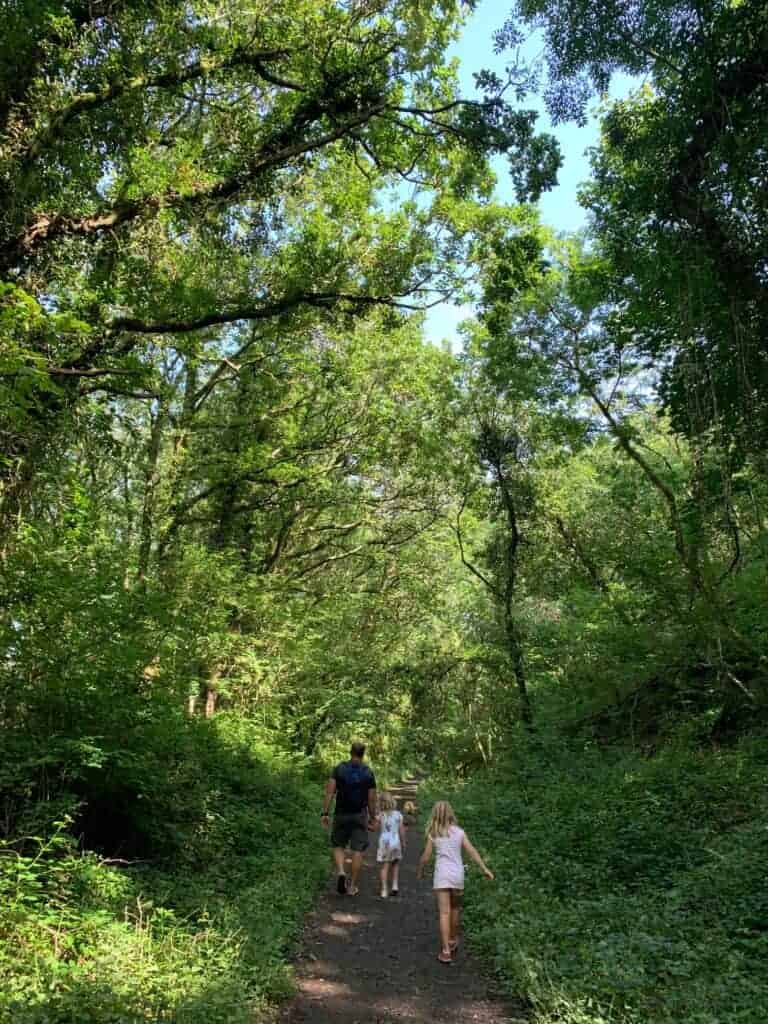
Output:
(249, 511)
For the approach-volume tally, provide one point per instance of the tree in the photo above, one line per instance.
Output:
(501, 455)
(676, 197)
(563, 334)
(175, 169)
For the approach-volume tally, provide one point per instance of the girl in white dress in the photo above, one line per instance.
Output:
(391, 843)
(447, 840)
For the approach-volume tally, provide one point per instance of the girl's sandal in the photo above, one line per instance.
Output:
(454, 947)
(443, 959)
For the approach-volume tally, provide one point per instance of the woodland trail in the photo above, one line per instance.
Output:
(364, 960)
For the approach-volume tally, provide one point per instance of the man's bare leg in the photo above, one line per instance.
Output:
(341, 871)
(357, 863)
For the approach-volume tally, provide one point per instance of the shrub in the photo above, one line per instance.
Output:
(183, 938)
(629, 889)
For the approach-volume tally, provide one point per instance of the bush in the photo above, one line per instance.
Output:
(198, 937)
(629, 890)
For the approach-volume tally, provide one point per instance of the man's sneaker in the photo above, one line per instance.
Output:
(341, 884)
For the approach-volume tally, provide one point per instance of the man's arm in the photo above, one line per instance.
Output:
(330, 792)
(372, 803)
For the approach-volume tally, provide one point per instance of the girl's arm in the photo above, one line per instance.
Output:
(425, 858)
(475, 856)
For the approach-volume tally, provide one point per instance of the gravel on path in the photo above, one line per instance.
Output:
(364, 960)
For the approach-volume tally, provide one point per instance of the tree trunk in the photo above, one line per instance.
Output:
(210, 702)
(517, 660)
(151, 481)
(511, 631)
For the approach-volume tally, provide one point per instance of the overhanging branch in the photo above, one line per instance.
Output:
(268, 311)
(274, 152)
(141, 83)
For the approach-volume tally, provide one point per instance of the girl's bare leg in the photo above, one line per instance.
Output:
(455, 917)
(384, 878)
(395, 876)
(444, 914)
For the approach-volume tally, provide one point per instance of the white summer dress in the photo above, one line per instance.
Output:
(389, 840)
(449, 867)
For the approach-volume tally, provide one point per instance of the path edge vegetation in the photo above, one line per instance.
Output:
(201, 930)
(248, 512)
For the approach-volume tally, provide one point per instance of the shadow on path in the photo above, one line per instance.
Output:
(364, 960)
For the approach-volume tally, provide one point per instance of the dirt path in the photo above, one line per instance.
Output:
(365, 960)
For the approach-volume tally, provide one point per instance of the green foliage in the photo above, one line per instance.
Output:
(234, 475)
(31, 341)
(201, 936)
(628, 890)
(675, 196)
(167, 169)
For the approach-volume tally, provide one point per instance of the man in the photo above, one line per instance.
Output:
(354, 786)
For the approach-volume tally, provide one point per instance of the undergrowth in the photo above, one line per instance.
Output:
(199, 934)
(630, 889)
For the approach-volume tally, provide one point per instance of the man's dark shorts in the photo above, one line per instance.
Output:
(352, 829)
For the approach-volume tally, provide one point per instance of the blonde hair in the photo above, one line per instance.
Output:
(440, 820)
(387, 802)
(409, 807)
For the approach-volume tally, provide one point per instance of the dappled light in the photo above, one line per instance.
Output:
(319, 429)
(387, 959)
(330, 990)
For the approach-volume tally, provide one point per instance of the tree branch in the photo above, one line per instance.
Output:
(73, 371)
(318, 299)
(274, 152)
(170, 79)
(472, 568)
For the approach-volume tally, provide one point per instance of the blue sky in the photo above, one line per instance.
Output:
(559, 207)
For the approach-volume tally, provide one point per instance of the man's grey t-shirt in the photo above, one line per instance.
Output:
(353, 781)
